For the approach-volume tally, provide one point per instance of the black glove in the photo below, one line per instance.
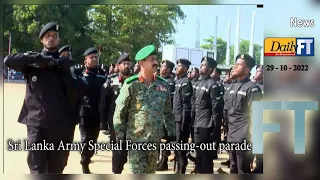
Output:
(48, 61)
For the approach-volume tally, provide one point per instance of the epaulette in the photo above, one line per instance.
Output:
(131, 79)
(162, 79)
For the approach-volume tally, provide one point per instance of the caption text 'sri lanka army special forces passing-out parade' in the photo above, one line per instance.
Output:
(143, 104)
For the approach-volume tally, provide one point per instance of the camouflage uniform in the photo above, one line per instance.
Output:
(140, 113)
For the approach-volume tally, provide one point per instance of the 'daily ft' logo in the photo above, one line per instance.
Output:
(288, 46)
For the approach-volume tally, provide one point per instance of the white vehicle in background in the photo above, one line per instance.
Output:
(175, 52)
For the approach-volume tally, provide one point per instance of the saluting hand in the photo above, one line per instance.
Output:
(48, 61)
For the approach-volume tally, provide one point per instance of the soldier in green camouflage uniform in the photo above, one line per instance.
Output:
(142, 107)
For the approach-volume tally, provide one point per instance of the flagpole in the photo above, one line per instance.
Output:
(9, 52)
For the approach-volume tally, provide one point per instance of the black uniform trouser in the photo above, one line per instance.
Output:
(88, 133)
(240, 161)
(259, 164)
(119, 159)
(204, 158)
(218, 132)
(49, 161)
(182, 137)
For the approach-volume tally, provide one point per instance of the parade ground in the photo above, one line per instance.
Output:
(15, 162)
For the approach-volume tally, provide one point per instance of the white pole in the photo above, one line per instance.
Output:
(215, 39)
(197, 43)
(228, 44)
(236, 47)
(251, 46)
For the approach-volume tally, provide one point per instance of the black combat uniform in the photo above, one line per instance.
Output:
(162, 164)
(194, 85)
(109, 93)
(241, 93)
(90, 83)
(206, 116)
(46, 111)
(220, 112)
(182, 111)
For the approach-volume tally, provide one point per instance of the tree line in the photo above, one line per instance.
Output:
(222, 49)
(114, 29)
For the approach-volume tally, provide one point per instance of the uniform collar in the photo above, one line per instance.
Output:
(244, 80)
(91, 71)
(141, 79)
(183, 76)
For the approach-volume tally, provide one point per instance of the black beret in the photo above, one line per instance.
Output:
(250, 62)
(217, 70)
(169, 64)
(124, 57)
(92, 50)
(186, 62)
(51, 26)
(65, 48)
(211, 62)
(195, 69)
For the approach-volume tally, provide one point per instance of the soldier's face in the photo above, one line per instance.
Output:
(50, 40)
(150, 63)
(259, 74)
(116, 69)
(214, 74)
(91, 60)
(124, 67)
(66, 54)
(194, 74)
(181, 69)
(240, 68)
(204, 68)
(164, 69)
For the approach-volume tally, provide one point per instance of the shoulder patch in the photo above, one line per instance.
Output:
(131, 79)
(162, 79)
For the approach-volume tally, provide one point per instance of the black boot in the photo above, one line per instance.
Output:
(85, 169)
(183, 169)
(177, 168)
(163, 163)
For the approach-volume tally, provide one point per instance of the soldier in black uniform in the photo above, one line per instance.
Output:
(165, 72)
(216, 77)
(242, 93)
(46, 110)
(90, 83)
(65, 51)
(194, 80)
(227, 83)
(259, 82)
(182, 111)
(109, 93)
(206, 115)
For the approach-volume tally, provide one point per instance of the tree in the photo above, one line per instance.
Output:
(221, 48)
(114, 29)
(27, 21)
(133, 26)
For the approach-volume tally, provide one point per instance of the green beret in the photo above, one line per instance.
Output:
(145, 52)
